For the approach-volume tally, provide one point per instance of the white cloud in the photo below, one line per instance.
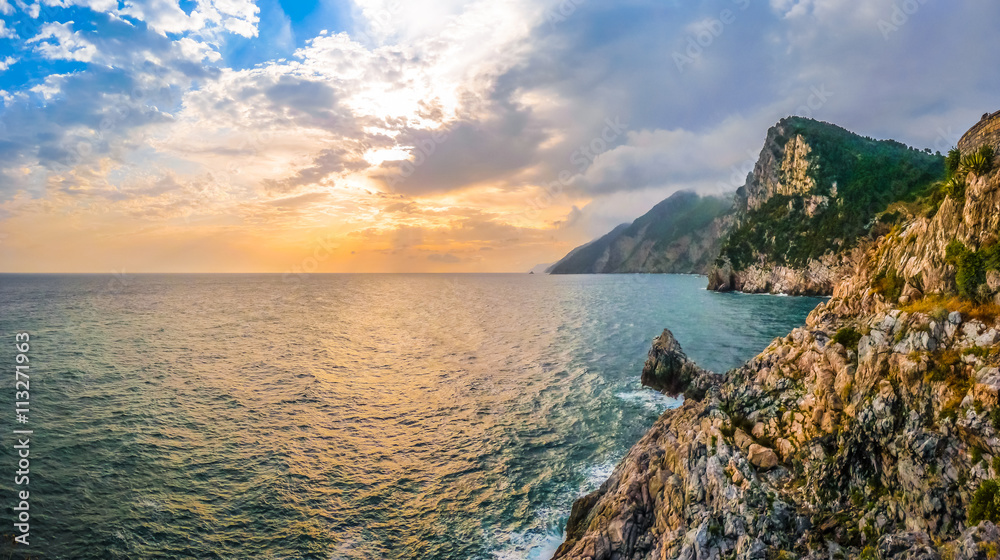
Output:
(715, 161)
(50, 87)
(33, 9)
(5, 8)
(7, 63)
(195, 51)
(96, 5)
(67, 44)
(791, 8)
(166, 16)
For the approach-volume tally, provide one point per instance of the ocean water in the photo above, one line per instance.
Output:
(353, 417)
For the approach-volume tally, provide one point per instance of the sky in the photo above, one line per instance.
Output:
(432, 136)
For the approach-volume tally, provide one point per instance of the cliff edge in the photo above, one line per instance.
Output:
(873, 431)
(816, 193)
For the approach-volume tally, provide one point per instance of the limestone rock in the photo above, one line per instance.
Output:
(669, 370)
(762, 457)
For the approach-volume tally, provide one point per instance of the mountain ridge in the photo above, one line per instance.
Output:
(679, 235)
(816, 192)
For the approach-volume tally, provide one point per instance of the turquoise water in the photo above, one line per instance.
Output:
(444, 417)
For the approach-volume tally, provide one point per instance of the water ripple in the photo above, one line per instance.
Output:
(347, 417)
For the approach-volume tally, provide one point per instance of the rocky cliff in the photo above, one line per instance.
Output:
(815, 193)
(871, 432)
(679, 235)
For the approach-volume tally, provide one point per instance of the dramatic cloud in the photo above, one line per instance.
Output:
(448, 135)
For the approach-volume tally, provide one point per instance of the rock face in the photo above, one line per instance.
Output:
(808, 204)
(679, 235)
(867, 433)
(817, 278)
(775, 236)
(669, 370)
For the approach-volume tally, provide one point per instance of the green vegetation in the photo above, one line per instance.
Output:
(848, 337)
(952, 161)
(985, 504)
(957, 169)
(971, 268)
(678, 216)
(621, 250)
(955, 187)
(889, 284)
(978, 162)
(857, 497)
(868, 175)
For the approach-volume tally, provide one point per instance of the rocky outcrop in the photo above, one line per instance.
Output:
(873, 431)
(809, 176)
(781, 169)
(669, 370)
(817, 278)
(775, 234)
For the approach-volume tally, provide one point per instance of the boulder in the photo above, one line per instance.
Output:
(742, 440)
(762, 457)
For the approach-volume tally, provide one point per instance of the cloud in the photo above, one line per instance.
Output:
(95, 5)
(710, 161)
(445, 128)
(6, 32)
(65, 44)
(299, 201)
(446, 258)
(239, 17)
(465, 153)
(196, 51)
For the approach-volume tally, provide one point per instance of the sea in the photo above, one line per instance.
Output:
(341, 417)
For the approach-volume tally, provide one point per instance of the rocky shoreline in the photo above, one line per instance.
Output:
(873, 431)
(817, 278)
